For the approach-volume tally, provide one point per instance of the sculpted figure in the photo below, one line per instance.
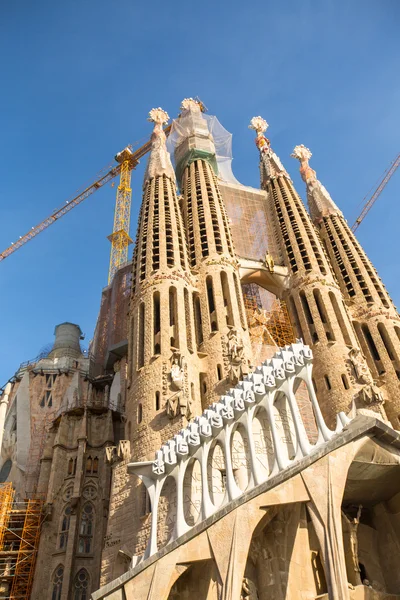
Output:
(249, 590)
(361, 371)
(269, 261)
(178, 403)
(235, 352)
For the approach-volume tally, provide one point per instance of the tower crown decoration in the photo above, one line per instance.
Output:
(258, 124)
(158, 116)
(271, 162)
(159, 162)
(190, 104)
(303, 154)
(319, 199)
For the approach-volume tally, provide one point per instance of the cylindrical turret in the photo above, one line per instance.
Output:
(220, 323)
(373, 314)
(67, 341)
(314, 298)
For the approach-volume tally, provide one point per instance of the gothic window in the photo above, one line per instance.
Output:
(72, 466)
(92, 465)
(64, 528)
(47, 398)
(57, 583)
(85, 544)
(68, 493)
(81, 585)
(89, 492)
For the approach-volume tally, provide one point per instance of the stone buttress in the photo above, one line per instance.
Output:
(373, 314)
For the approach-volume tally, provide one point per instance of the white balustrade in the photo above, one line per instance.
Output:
(268, 391)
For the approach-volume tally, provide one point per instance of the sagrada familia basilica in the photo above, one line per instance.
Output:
(233, 432)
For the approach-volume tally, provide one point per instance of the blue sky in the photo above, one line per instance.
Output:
(78, 78)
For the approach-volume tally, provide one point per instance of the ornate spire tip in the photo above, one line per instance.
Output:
(301, 153)
(158, 116)
(258, 124)
(190, 104)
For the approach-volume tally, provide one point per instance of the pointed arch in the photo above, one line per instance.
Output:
(86, 529)
(64, 527)
(81, 585)
(57, 581)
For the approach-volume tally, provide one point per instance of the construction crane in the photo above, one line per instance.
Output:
(368, 205)
(120, 240)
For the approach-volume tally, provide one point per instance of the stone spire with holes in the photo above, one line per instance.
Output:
(222, 338)
(374, 317)
(313, 296)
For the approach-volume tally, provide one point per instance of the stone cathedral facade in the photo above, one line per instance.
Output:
(191, 453)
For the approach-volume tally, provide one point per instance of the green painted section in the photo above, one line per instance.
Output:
(191, 156)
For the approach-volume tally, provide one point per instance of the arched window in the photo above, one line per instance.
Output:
(85, 545)
(81, 585)
(64, 527)
(89, 465)
(57, 583)
(92, 465)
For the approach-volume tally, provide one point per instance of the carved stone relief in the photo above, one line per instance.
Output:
(236, 363)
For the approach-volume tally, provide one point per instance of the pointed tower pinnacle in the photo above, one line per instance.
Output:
(319, 201)
(159, 162)
(270, 165)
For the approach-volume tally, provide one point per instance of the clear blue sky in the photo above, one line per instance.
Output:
(78, 79)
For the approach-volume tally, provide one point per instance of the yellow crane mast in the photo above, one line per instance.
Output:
(120, 238)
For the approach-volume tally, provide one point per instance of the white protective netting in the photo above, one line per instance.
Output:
(203, 125)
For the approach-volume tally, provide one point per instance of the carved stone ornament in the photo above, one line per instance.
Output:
(269, 262)
(359, 372)
(249, 590)
(303, 154)
(190, 104)
(159, 162)
(237, 364)
(178, 403)
(158, 115)
(258, 124)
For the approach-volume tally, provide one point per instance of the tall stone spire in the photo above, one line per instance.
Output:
(218, 304)
(159, 162)
(270, 165)
(163, 393)
(313, 296)
(375, 318)
(319, 201)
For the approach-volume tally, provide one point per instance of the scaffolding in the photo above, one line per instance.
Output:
(270, 327)
(20, 526)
